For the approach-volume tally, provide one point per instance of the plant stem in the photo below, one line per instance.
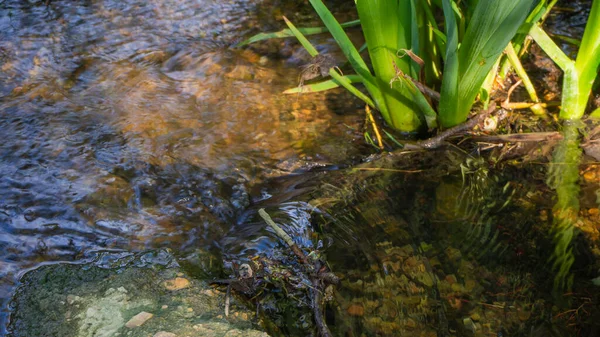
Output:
(516, 64)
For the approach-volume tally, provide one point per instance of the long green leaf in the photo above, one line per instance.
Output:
(388, 29)
(323, 86)
(552, 49)
(345, 82)
(301, 38)
(341, 80)
(493, 24)
(449, 93)
(342, 40)
(353, 56)
(587, 62)
(288, 33)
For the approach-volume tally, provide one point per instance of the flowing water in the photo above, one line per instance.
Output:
(131, 125)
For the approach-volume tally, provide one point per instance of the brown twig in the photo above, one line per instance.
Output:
(437, 141)
(520, 137)
(283, 235)
(318, 274)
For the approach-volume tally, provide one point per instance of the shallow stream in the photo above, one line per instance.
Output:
(131, 125)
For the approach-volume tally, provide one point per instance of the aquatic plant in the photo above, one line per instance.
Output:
(408, 53)
(563, 174)
(579, 74)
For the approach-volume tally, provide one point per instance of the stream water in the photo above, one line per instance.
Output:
(131, 125)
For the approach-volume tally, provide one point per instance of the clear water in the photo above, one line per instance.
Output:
(132, 125)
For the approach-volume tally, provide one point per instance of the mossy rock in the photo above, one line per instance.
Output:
(99, 298)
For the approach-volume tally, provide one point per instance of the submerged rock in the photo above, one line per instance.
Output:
(126, 297)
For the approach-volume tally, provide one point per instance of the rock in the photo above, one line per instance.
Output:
(451, 279)
(138, 320)
(524, 315)
(72, 299)
(104, 295)
(356, 310)
(177, 283)
(469, 325)
(164, 334)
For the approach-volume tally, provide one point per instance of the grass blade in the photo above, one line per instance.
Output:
(288, 33)
(301, 38)
(352, 54)
(449, 92)
(345, 82)
(324, 85)
(588, 60)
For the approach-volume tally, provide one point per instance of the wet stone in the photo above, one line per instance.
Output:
(164, 334)
(130, 300)
(138, 320)
(356, 310)
(177, 283)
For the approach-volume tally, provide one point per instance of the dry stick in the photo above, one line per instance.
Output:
(323, 328)
(374, 125)
(437, 141)
(316, 298)
(520, 137)
(283, 235)
(227, 299)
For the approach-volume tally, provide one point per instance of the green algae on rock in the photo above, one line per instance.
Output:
(125, 297)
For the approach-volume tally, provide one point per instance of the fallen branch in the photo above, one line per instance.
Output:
(437, 141)
(319, 274)
(519, 137)
(283, 235)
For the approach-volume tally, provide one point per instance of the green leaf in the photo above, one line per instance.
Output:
(388, 29)
(288, 33)
(493, 24)
(345, 82)
(550, 48)
(352, 54)
(449, 92)
(588, 58)
(301, 38)
(323, 86)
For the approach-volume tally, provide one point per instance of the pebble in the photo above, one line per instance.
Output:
(451, 279)
(138, 319)
(164, 334)
(469, 325)
(177, 283)
(72, 299)
(589, 176)
(208, 292)
(524, 315)
(356, 310)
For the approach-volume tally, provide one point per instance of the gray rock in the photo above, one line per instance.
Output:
(116, 299)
